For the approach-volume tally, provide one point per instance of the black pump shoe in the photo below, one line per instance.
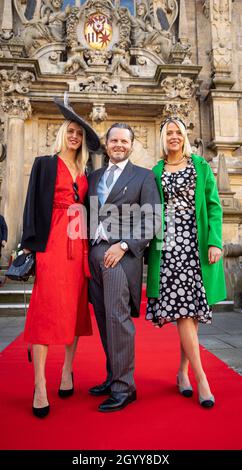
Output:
(41, 412)
(67, 393)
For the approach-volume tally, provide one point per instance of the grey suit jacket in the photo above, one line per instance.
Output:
(135, 186)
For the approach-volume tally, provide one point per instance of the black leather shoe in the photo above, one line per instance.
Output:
(117, 401)
(67, 393)
(41, 412)
(103, 389)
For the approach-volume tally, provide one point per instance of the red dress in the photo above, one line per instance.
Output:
(58, 308)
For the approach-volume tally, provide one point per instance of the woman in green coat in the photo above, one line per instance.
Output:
(185, 270)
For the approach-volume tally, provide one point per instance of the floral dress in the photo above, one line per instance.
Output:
(182, 294)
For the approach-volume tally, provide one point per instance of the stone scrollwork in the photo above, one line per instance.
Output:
(182, 110)
(71, 28)
(124, 21)
(98, 84)
(178, 87)
(16, 106)
(16, 81)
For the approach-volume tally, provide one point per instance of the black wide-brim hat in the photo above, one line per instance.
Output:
(92, 139)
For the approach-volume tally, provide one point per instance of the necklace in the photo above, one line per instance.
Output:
(175, 163)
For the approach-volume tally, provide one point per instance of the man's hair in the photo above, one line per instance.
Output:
(121, 125)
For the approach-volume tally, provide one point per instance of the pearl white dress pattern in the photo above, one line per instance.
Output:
(182, 294)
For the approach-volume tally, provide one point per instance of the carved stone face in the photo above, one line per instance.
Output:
(141, 10)
(57, 4)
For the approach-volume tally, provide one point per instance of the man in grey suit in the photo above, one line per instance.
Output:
(119, 235)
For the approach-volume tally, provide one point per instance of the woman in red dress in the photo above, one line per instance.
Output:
(58, 312)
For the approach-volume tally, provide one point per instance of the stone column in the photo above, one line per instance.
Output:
(18, 109)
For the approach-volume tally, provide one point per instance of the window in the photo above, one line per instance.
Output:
(72, 3)
(128, 4)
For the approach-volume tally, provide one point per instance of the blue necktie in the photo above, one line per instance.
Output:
(110, 177)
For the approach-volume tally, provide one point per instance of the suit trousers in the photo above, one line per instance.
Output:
(110, 296)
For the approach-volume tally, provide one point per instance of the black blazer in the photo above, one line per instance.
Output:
(39, 203)
(3, 229)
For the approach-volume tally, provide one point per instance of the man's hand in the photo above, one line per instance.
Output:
(214, 254)
(26, 251)
(4, 243)
(113, 255)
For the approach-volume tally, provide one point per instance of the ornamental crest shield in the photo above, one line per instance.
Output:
(98, 31)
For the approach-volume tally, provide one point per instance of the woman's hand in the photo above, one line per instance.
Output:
(214, 254)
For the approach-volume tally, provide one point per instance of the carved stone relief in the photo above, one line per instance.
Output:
(15, 80)
(182, 110)
(219, 12)
(100, 26)
(49, 27)
(47, 131)
(51, 133)
(98, 84)
(98, 114)
(178, 87)
(141, 134)
(16, 106)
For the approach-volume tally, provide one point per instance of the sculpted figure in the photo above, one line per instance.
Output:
(50, 27)
(121, 58)
(144, 32)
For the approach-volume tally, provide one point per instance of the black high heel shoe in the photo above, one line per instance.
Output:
(67, 393)
(41, 412)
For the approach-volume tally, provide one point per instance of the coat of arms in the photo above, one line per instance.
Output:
(98, 31)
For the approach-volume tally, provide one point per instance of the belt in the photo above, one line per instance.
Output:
(70, 245)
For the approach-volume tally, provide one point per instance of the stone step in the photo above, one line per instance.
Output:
(13, 310)
(12, 298)
(225, 306)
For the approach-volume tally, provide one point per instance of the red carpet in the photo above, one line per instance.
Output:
(160, 419)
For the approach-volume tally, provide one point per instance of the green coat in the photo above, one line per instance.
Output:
(209, 233)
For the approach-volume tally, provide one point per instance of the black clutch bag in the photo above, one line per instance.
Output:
(22, 267)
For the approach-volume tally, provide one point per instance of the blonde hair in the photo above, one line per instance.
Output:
(61, 145)
(186, 151)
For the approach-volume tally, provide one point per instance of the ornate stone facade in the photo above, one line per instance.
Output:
(137, 61)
